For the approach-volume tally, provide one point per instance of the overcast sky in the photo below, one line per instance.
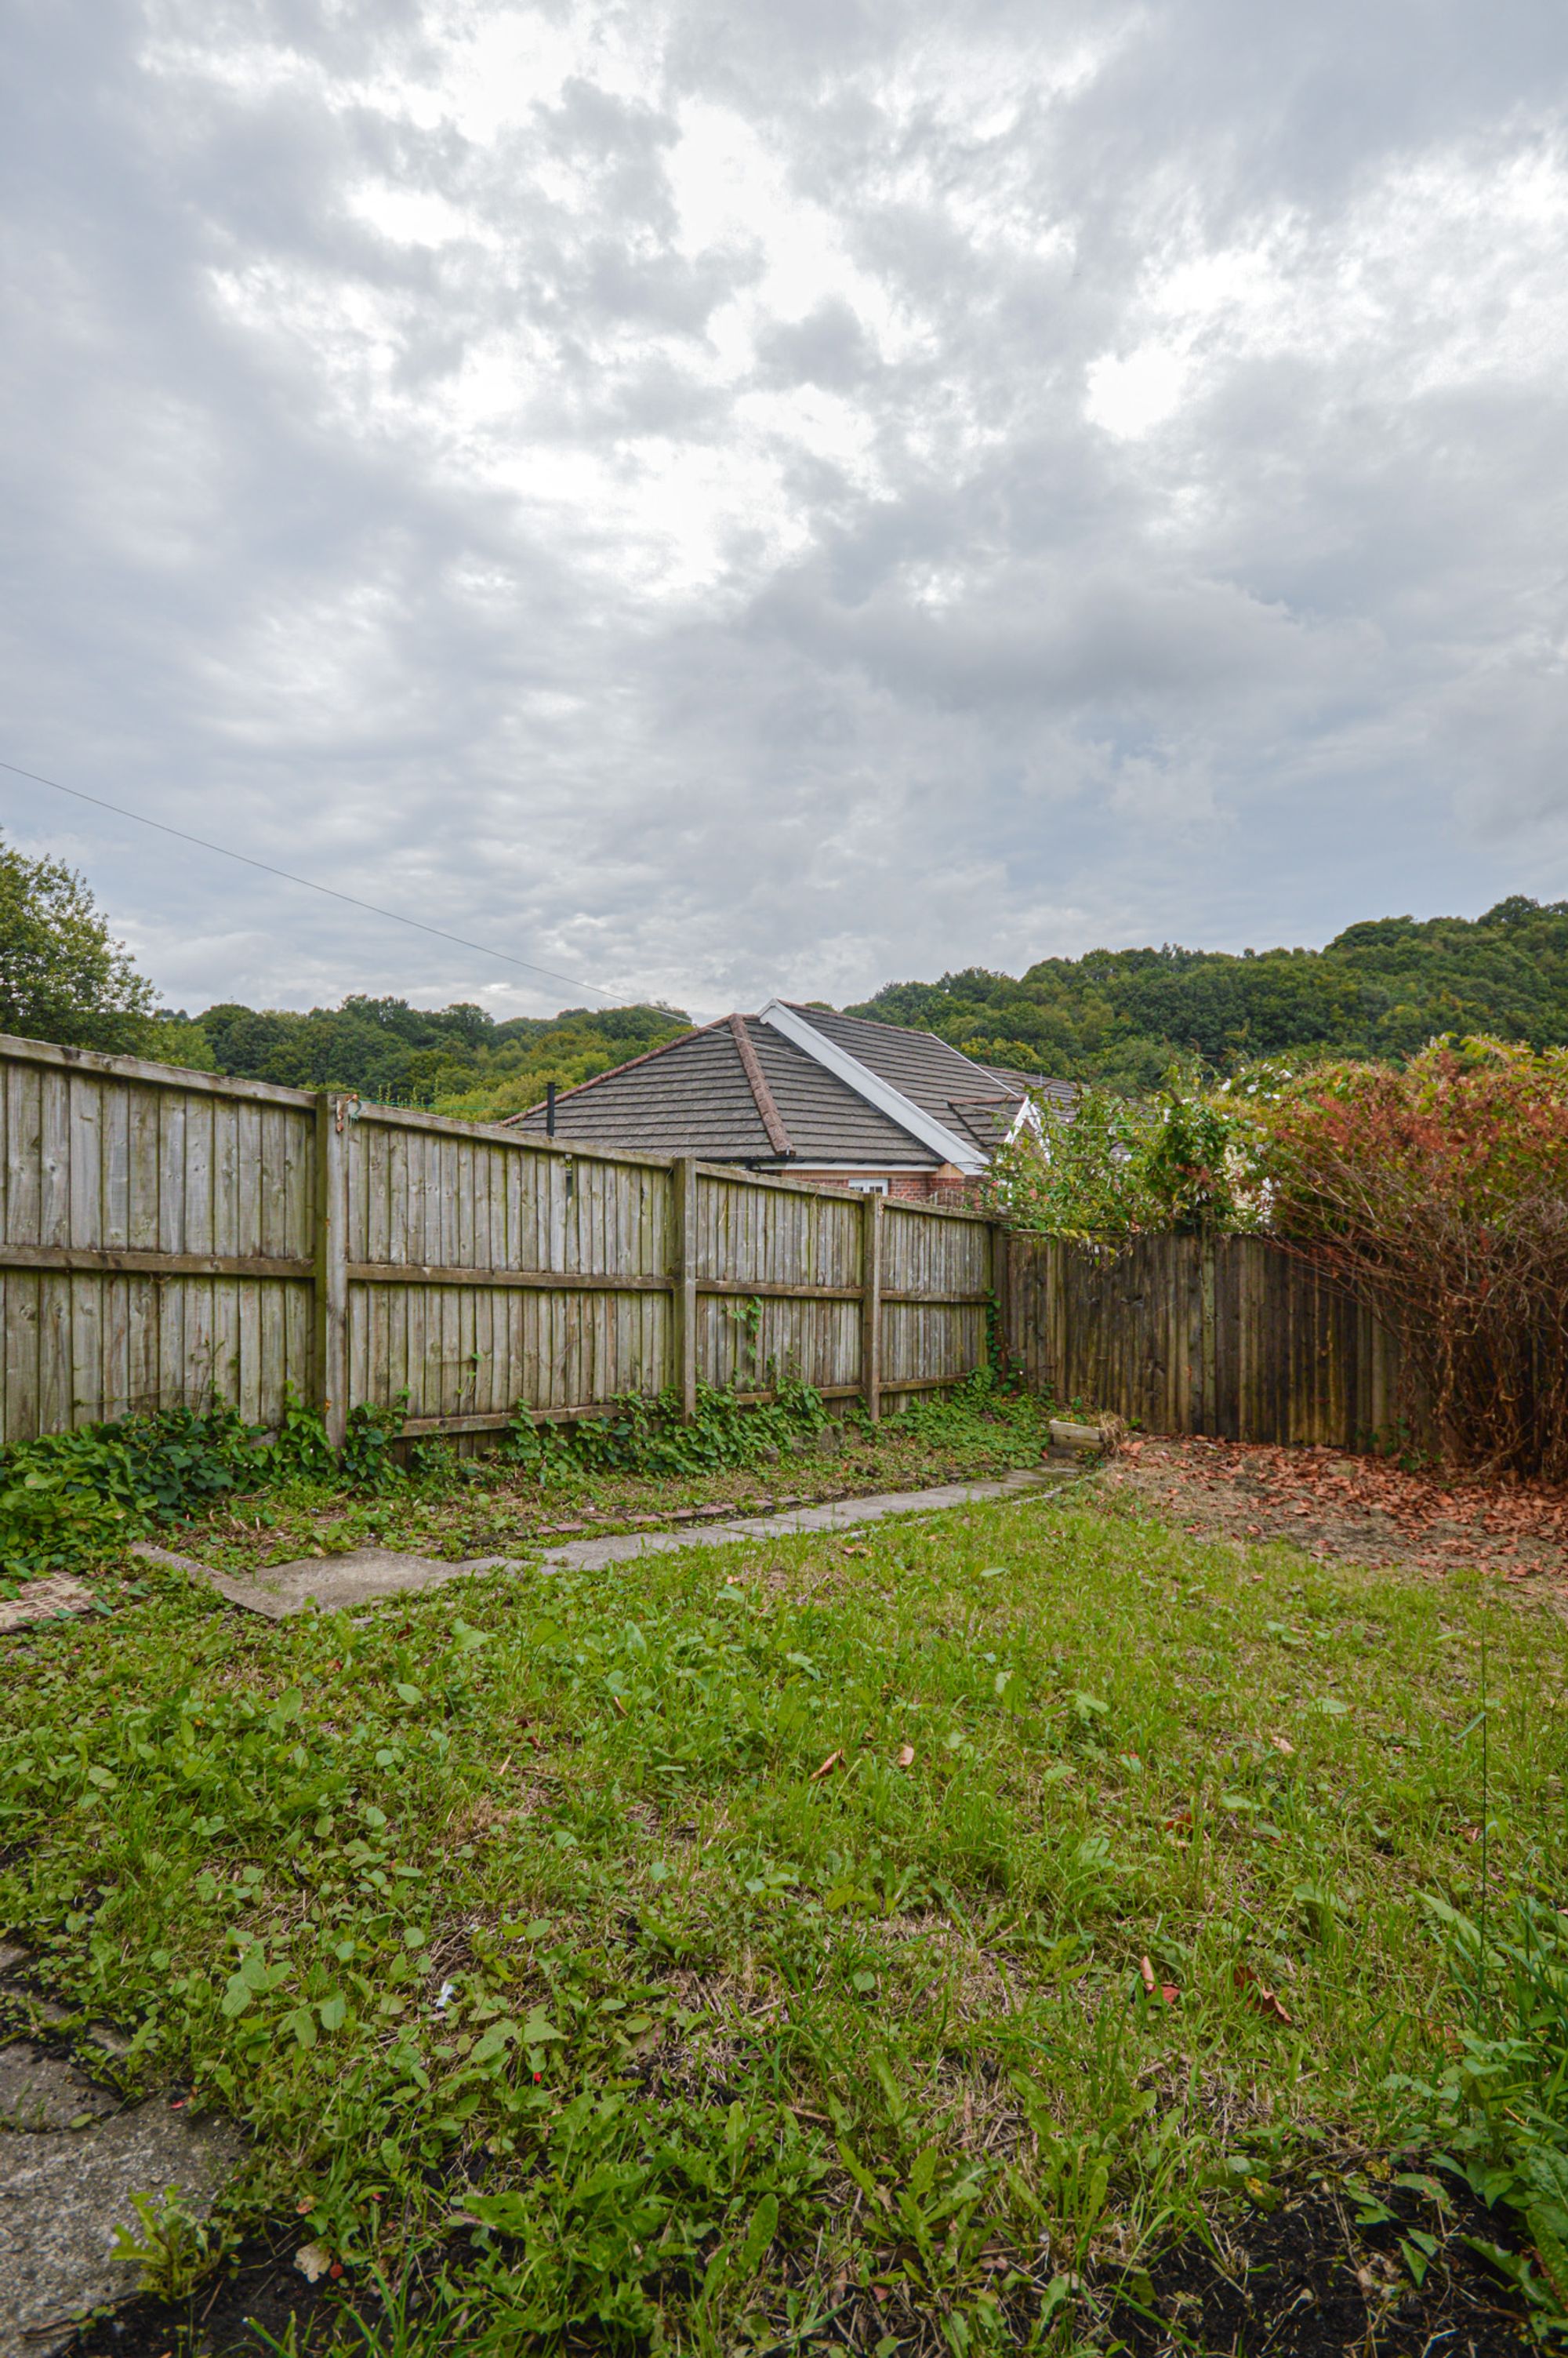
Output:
(741, 495)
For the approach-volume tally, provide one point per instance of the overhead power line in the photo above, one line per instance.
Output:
(309, 883)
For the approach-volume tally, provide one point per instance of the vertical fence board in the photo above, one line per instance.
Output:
(1235, 1338)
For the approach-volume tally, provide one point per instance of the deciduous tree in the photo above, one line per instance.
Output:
(62, 976)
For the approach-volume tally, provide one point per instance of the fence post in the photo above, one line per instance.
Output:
(1208, 1420)
(330, 1303)
(871, 1305)
(683, 1271)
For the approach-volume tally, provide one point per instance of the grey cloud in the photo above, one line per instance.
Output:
(829, 347)
(562, 580)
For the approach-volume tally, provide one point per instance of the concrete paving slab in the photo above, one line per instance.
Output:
(64, 2189)
(331, 1583)
(834, 1514)
(42, 2092)
(342, 1583)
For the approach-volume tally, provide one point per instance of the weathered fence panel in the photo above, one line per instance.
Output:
(173, 1237)
(156, 1226)
(935, 1283)
(1229, 1335)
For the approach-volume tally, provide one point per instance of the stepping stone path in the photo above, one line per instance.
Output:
(71, 2156)
(339, 1583)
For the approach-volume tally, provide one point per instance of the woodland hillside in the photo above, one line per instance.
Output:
(457, 1060)
(1381, 989)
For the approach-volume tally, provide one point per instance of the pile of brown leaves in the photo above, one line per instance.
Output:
(1362, 1509)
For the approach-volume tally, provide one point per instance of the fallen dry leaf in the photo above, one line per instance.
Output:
(1263, 1998)
(313, 2262)
(906, 1755)
(1167, 1990)
(619, 1706)
(834, 1760)
(1283, 1744)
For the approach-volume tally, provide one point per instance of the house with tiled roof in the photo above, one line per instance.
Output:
(811, 1093)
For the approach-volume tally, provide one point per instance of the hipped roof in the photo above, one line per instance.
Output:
(740, 1091)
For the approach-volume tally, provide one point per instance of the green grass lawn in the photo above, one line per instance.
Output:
(699, 1950)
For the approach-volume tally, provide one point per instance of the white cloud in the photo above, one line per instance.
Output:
(1131, 395)
(709, 495)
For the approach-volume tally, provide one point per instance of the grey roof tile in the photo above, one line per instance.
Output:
(979, 1102)
(693, 1097)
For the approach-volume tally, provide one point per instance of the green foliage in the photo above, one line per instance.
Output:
(61, 977)
(644, 1433)
(1082, 1178)
(72, 1500)
(1500, 2111)
(989, 1397)
(171, 2249)
(458, 1060)
(1383, 988)
(1188, 1162)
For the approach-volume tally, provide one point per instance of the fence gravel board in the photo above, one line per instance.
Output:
(172, 1238)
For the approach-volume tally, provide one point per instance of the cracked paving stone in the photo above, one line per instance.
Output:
(64, 2189)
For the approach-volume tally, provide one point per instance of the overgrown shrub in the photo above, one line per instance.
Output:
(1437, 1194)
(71, 1501)
(72, 1498)
(1115, 1168)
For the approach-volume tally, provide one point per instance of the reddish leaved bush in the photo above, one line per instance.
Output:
(1437, 1192)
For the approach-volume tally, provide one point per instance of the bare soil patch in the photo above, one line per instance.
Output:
(1307, 2280)
(1355, 1510)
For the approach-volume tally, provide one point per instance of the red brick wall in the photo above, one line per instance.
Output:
(945, 1185)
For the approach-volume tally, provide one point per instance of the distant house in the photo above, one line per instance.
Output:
(807, 1091)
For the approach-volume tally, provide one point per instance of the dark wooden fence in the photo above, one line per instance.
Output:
(173, 1237)
(1228, 1336)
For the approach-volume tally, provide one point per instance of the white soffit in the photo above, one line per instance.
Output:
(873, 1088)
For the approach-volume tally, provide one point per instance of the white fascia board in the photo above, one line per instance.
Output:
(873, 1088)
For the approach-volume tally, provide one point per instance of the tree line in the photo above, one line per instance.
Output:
(1379, 990)
(1120, 1019)
(64, 977)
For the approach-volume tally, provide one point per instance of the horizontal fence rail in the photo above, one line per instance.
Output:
(1228, 1336)
(170, 1237)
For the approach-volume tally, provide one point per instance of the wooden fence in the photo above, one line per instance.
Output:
(169, 1237)
(1228, 1336)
